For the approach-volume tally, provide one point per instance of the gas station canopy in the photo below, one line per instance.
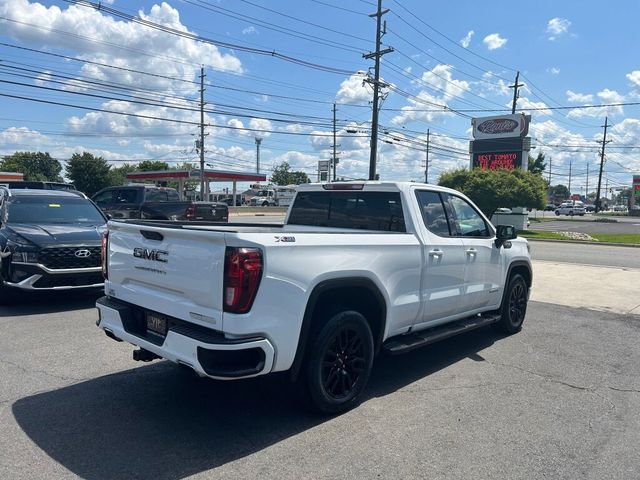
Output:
(209, 175)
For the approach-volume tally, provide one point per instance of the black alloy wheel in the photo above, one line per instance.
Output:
(339, 362)
(514, 305)
(343, 363)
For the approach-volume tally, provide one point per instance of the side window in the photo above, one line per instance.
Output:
(127, 195)
(173, 196)
(433, 213)
(465, 220)
(104, 198)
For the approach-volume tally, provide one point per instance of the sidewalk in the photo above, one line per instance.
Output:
(606, 289)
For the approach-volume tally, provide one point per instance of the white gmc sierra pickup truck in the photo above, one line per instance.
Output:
(357, 268)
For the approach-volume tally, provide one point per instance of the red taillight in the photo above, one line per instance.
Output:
(104, 252)
(242, 274)
(191, 212)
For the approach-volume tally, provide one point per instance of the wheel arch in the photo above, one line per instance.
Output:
(357, 293)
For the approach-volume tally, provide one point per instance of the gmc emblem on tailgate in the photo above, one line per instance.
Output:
(146, 254)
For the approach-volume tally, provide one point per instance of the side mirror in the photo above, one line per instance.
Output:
(108, 215)
(504, 233)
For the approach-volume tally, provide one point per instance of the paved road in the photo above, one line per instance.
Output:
(559, 400)
(625, 257)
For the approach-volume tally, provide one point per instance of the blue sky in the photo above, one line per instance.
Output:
(461, 55)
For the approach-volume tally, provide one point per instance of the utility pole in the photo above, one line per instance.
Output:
(202, 133)
(515, 87)
(604, 143)
(586, 190)
(334, 159)
(376, 85)
(426, 165)
(570, 162)
(258, 142)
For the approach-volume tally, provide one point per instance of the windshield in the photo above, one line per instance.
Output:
(53, 210)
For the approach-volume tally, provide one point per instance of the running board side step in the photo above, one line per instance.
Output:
(411, 341)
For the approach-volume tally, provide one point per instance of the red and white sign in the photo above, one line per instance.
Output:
(502, 126)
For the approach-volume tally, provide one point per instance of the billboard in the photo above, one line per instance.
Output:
(636, 187)
(500, 126)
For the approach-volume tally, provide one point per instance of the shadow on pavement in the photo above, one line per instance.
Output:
(161, 422)
(37, 303)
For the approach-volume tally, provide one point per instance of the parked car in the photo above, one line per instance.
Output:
(590, 208)
(49, 240)
(550, 207)
(156, 203)
(570, 210)
(619, 208)
(357, 268)
(39, 185)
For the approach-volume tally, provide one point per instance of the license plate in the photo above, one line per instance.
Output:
(156, 323)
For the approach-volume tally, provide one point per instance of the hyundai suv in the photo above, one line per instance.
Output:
(49, 240)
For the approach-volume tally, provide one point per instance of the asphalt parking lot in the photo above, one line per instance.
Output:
(561, 399)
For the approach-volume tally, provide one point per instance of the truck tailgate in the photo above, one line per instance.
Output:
(178, 272)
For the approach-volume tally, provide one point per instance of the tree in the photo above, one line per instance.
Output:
(118, 175)
(282, 175)
(36, 166)
(537, 165)
(559, 192)
(152, 166)
(88, 173)
(491, 189)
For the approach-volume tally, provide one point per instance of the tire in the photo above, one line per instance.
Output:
(557, 213)
(339, 363)
(514, 305)
(571, 213)
(265, 204)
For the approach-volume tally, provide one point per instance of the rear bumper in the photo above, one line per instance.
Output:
(208, 352)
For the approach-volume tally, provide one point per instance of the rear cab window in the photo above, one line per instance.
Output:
(160, 195)
(362, 210)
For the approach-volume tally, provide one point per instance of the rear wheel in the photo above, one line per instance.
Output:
(514, 305)
(558, 213)
(339, 363)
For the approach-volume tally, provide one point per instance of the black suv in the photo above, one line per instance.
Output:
(49, 240)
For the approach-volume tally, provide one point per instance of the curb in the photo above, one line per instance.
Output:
(583, 242)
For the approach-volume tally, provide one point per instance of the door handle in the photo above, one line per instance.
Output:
(471, 251)
(436, 253)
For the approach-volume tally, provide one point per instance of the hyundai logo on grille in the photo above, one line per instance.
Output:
(83, 253)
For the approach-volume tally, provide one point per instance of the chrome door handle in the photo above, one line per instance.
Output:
(472, 251)
(436, 253)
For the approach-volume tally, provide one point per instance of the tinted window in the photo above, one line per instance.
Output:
(160, 195)
(40, 210)
(104, 198)
(465, 220)
(433, 212)
(359, 210)
(127, 195)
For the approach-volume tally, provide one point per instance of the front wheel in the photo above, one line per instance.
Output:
(339, 363)
(514, 305)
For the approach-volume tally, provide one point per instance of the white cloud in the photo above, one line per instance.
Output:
(262, 125)
(554, 71)
(579, 97)
(96, 37)
(467, 39)
(250, 30)
(557, 27)
(19, 138)
(606, 96)
(539, 108)
(494, 41)
(634, 78)
(353, 90)
(426, 107)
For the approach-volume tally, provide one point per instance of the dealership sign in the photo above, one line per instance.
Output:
(502, 126)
